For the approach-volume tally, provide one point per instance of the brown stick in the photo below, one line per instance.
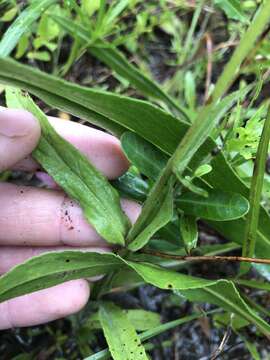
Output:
(207, 258)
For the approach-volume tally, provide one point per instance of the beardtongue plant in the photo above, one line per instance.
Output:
(184, 182)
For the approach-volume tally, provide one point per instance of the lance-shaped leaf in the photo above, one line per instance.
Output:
(76, 176)
(111, 111)
(153, 124)
(219, 292)
(124, 343)
(148, 334)
(22, 24)
(55, 268)
(218, 206)
(51, 269)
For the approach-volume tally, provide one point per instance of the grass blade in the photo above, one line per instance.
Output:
(115, 60)
(252, 220)
(245, 46)
(22, 24)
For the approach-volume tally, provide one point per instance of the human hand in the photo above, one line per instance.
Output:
(34, 220)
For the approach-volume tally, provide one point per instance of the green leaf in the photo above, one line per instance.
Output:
(255, 195)
(51, 269)
(115, 60)
(233, 9)
(162, 213)
(254, 284)
(189, 231)
(39, 55)
(251, 347)
(148, 334)
(22, 24)
(219, 292)
(153, 124)
(218, 206)
(143, 155)
(77, 177)
(202, 170)
(131, 186)
(190, 89)
(54, 268)
(101, 108)
(193, 139)
(123, 341)
(141, 320)
(224, 178)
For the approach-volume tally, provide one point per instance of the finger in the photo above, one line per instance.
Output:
(17, 138)
(38, 217)
(11, 256)
(44, 305)
(102, 149)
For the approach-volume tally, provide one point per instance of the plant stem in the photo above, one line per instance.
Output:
(207, 258)
(252, 220)
(189, 39)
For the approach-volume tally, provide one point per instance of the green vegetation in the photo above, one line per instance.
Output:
(196, 133)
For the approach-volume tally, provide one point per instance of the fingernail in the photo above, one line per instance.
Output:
(15, 123)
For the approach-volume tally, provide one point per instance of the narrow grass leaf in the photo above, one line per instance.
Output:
(123, 341)
(115, 60)
(76, 176)
(252, 220)
(232, 9)
(22, 25)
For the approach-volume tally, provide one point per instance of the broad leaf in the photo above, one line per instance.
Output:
(22, 25)
(145, 156)
(80, 180)
(123, 341)
(218, 206)
(131, 186)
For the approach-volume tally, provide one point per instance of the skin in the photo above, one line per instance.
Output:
(34, 220)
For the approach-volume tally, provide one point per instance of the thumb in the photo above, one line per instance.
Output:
(19, 135)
